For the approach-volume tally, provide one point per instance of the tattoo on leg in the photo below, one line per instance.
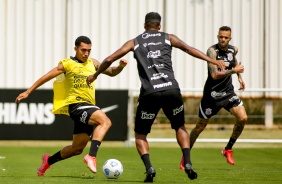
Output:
(200, 126)
(237, 130)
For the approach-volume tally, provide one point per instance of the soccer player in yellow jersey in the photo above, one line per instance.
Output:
(73, 97)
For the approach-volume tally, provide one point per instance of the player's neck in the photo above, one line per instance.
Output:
(223, 48)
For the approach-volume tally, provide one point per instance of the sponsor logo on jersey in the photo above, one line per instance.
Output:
(157, 76)
(147, 116)
(163, 85)
(178, 110)
(230, 56)
(156, 65)
(147, 35)
(147, 44)
(79, 81)
(23, 113)
(155, 54)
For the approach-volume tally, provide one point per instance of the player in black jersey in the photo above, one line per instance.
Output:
(152, 50)
(219, 91)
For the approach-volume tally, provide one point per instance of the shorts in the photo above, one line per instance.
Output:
(80, 113)
(149, 105)
(210, 106)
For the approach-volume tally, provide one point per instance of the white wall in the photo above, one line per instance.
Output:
(36, 34)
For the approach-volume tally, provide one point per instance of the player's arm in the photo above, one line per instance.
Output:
(178, 43)
(124, 49)
(45, 78)
(242, 83)
(218, 73)
(111, 71)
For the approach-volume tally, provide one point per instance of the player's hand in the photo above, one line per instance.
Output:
(239, 68)
(242, 85)
(221, 64)
(90, 79)
(123, 63)
(22, 96)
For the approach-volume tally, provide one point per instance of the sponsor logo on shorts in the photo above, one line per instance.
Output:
(147, 116)
(208, 111)
(177, 110)
(217, 94)
(83, 117)
(234, 98)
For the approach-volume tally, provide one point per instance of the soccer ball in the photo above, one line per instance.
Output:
(112, 168)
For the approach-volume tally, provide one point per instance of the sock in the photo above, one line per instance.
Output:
(146, 160)
(230, 144)
(94, 148)
(186, 154)
(55, 158)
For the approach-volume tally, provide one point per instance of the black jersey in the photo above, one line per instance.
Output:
(152, 50)
(220, 87)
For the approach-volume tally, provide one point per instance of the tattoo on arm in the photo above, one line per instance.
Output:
(211, 53)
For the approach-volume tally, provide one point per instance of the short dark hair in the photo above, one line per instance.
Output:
(224, 28)
(83, 39)
(153, 19)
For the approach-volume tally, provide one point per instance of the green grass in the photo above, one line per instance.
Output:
(253, 165)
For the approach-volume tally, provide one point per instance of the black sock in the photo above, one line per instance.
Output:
(230, 144)
(94, 148)
(146, 160)
(186, 154)
(55, 158)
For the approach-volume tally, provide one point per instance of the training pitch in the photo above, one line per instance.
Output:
(252, 165)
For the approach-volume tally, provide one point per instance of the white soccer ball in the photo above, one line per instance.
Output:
(112, 168)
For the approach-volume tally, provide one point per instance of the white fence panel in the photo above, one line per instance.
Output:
(36, 34)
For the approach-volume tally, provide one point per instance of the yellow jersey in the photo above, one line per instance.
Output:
(71, 87)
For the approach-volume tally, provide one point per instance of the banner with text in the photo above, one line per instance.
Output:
(32, 118)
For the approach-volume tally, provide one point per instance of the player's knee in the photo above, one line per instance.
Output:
(107, 123)
(77, 150)
(201, 125)
(243, 119)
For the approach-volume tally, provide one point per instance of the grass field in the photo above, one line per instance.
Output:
(256, 163)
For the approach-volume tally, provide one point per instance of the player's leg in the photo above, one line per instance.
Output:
(80, 139)
(241, 118)
(78, 144)
(195, 132)
(147, 109)
(86, 116)
(173, 108)
(207, 109)
(238, 110)
(103, 123)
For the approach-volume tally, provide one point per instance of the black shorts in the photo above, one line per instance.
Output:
(149, 105)
(80, 113)
(210, 106)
